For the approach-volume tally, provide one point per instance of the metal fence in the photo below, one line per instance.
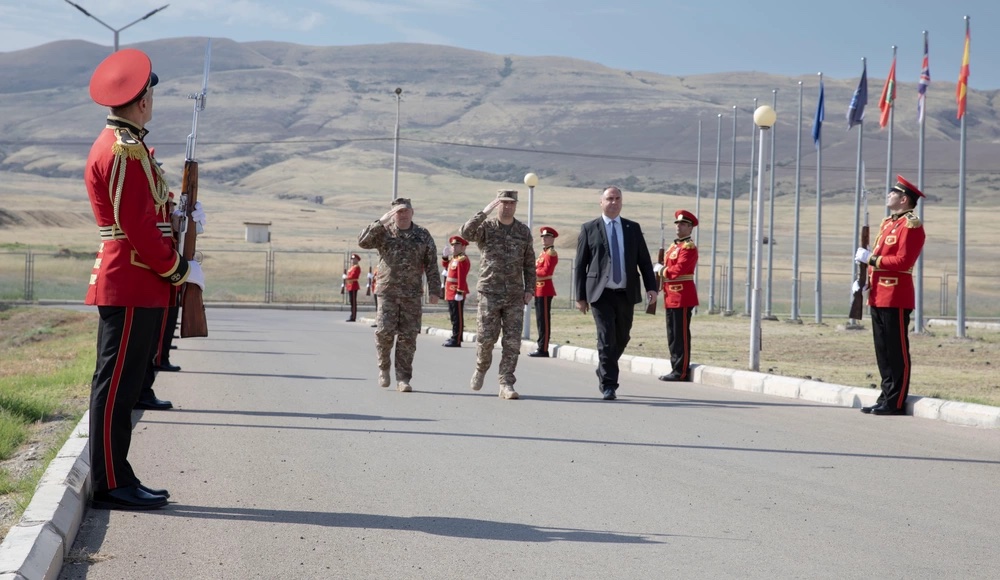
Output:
(270, 275)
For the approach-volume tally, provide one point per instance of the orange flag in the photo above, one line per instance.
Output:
(963, 78)
(888, 96)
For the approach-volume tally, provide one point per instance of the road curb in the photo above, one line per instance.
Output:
(37, 545)
(955, 412)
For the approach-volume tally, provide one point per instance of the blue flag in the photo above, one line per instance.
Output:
(820, 116)
(856, 112)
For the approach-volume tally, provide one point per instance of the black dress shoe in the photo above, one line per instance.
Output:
(162, 492)
(539, 353)
(168, 367)
(129, 497)
(154, 404)
(451, 342)
(350, 320)
(609, 395)
(883, 410)
(867, 410)
(673, 377)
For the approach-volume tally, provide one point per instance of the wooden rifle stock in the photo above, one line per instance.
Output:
(858, 300)
(651, 307)
(193, 321)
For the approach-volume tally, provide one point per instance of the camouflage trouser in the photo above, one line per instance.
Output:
(397, 319)
(496, 314)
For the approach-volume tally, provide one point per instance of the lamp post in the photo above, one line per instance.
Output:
(764, 117)
(111, 28)
(531, 180)
(395, 150)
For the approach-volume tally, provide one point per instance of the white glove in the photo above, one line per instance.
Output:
(195, 275)
(856, 286)
(862, 255)
(198, 215)
(459, 297)
(370, 275)
(343, 276)
(657, 268)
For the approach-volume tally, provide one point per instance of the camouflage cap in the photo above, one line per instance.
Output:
(403, 201)
(507, 194)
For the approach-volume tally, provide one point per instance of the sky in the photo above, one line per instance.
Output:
(671, 37)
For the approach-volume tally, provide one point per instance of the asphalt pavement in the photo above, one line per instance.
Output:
(285, 458)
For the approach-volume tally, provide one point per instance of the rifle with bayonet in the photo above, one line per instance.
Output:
(651, 307)
(858, 297)
(193, 320)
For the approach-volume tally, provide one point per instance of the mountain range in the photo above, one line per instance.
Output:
(279, 109)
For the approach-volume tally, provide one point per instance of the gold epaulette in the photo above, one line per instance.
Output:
(912, 221)
(552, 252)
(688, 245)
(460, 258)
(128, 146)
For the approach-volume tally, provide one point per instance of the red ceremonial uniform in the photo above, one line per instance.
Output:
(897, 247)
(457, 280)
(353, 277)
(545, 267)
(128, 196)
(679, 263)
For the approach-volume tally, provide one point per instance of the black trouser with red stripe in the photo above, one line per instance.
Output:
(456, 310)
(127, 338)
(891, 331)
(354, 303)
(679, 340)
(543, 312)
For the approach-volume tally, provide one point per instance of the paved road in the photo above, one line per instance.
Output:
(285, 459)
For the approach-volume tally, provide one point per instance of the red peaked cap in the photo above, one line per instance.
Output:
(683, 215)
(122, 77)
(549, 231)
(904, 186)
(457, 240)
(355, 257)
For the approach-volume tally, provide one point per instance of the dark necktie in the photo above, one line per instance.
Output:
(616, 259)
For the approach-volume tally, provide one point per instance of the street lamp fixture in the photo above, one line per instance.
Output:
(395, 149)
(764, 117)
(531, 180)
(111, 28)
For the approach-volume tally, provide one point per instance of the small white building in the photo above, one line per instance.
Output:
(258, 232)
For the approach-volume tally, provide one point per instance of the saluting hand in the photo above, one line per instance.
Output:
(388, 215)
(491, 206)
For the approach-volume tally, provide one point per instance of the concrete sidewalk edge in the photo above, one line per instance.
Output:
(958, 413)
(37, 545)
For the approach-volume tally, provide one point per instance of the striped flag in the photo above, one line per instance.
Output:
(962, 89)
(856, 110)
(925, 80)
(888, 96)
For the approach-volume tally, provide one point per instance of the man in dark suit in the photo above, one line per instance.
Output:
(611, 253)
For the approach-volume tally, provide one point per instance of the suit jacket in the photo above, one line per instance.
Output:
(593, 261)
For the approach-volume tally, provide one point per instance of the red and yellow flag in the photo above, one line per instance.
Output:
(962, 89)
(888, 96)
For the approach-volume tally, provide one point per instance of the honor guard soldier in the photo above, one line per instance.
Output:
(679, 294)
(353, 284)
(456, 288)
(134, 276)
(890, 280)
(545, 289)
(506, 285)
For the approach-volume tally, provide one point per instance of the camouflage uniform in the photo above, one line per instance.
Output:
(403, 256)
(506, 272)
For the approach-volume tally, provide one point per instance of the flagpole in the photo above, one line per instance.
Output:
(794, 316)
(750, 222)
(889, 181)
(918, 320)
(697, 197)
(857, 182)
(960, 290)
(819, 209)
(732, 227)
(770, 224)
(715, 220)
